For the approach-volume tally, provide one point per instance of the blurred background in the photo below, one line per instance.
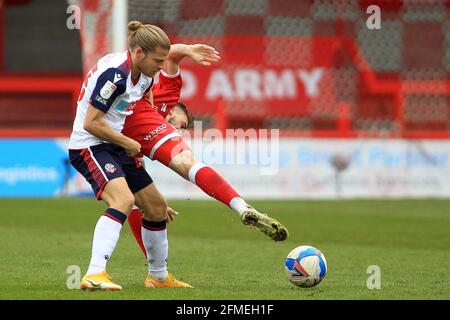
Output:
(361, 109)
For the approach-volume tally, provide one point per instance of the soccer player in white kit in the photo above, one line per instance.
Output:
(105, 157)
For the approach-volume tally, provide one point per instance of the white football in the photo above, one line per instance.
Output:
(305, 266)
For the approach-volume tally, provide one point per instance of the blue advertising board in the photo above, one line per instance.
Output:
(33, 167)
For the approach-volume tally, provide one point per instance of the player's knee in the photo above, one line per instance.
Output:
(183, 162)
(126, 202)
(156, 211)
(161, 209)
(184, 170)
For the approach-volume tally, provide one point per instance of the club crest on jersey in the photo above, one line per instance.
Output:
(110, 168)
(107, 90)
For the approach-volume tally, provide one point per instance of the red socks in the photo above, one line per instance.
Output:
(135, 222)
(207, 179)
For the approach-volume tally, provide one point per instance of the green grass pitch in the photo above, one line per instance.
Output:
(210, 248)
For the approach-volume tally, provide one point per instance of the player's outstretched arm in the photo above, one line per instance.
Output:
(200, 53)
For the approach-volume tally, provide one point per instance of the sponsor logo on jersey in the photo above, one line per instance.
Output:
(117, 77)
(152, 134)
(107, 90)
(101, 100)
(110, 168)
(124, 107)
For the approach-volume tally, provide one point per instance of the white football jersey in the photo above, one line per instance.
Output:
(107, 87)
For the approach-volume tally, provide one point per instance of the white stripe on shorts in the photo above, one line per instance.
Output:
(98, 166)
(160, 142)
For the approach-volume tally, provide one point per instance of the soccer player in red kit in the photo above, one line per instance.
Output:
(155, 127)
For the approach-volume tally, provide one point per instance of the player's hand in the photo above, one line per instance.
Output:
(203, 54)
(171, 214)
(132, 148)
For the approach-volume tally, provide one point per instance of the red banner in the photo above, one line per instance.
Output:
(279, 77)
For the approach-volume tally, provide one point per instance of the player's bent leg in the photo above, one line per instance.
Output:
(117, 195)
(182, 162)
(103, 169)
(207, 179)
(152, 203)
(175, 154)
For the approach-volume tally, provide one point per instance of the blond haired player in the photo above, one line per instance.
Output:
(105, 157)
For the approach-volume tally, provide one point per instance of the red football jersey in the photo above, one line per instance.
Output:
(166, 94)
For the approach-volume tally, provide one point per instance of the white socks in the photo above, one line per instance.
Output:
(106, 235)
(238, 204)
(154, 236)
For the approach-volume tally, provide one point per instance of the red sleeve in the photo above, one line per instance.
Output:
(166, 93)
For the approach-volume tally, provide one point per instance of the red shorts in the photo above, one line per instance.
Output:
(159, 139)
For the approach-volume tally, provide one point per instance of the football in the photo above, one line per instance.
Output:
(305, 266)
